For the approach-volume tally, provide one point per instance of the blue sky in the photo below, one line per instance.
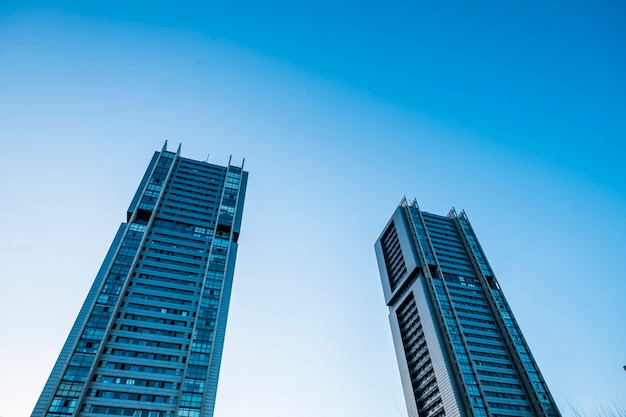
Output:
(514, 113)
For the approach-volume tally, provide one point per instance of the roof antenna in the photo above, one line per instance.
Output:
(207, 158)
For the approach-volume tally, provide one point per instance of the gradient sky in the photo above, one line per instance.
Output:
(513, 112)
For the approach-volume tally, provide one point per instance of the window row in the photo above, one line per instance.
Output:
(136, 382)
(145, 355)
(157, 309)
(140, 368)
(132, 396)
(151, 343)
(121, 411)
(146, 330)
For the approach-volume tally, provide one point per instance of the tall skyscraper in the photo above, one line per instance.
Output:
(459, 348)
(148, 340)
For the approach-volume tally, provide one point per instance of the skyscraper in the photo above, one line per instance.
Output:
(459, 348)
(148, 339)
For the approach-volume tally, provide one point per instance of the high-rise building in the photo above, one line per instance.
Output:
(459, 349)
(148, 339)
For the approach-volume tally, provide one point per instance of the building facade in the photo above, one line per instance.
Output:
(459, 349)
(148, 339)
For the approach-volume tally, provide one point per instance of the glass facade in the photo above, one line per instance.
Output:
(473, 359)
(148, 339)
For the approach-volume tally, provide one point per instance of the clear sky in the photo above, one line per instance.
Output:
(513, 111)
